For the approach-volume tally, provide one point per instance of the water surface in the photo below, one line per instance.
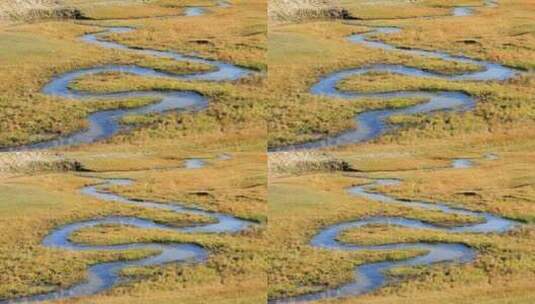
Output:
(107, 123)
(371, 124)
(374, 123)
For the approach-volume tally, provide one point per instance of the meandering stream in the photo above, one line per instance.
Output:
(369, 277)
(106, 275)
(371, 124)
(107, 123)
(104, 124)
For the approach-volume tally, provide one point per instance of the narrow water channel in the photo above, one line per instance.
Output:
(374, 123)
(104, 124)
(107, 123)
(371, 124)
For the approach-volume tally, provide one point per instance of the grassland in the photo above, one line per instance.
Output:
(41, 202)
(306, 191)
(385, 10)
(39, 196)
(419, 153)
(313, 200)
(294, 50)
(26, 66)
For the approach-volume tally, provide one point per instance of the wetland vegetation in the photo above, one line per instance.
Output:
(192, 202)
(156, 150)
(417, 149)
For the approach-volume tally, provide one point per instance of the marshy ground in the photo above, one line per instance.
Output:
(496, 136)
(41, 190)
(215, 158)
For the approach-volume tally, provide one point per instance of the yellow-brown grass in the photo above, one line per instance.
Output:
(299, 54)
(153, 154)
(25, 66)
(420, 153)
(307, 203)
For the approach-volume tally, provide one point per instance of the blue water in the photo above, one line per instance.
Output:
(371, 124)
(106, 275)
(105, 124)
(194, 11)
(462, 163)
(369, 277)
(194, 163)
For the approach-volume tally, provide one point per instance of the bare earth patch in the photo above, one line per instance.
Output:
(30, 10)
(35, 161)
(299, 10)
(304, 161)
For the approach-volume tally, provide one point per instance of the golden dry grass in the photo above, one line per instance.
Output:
(504, 186)
(39, 203)
(299, 54)
(153, 154)
(30, 116)
(306, 190)
(419, 153)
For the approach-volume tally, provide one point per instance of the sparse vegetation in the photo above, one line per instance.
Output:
(300, 10)
(33, 162)
(300, 162)
(33, 10)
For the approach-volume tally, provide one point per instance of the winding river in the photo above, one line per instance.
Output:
(106, 275)
(371, 124)
(105, 124)
(369, 277)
